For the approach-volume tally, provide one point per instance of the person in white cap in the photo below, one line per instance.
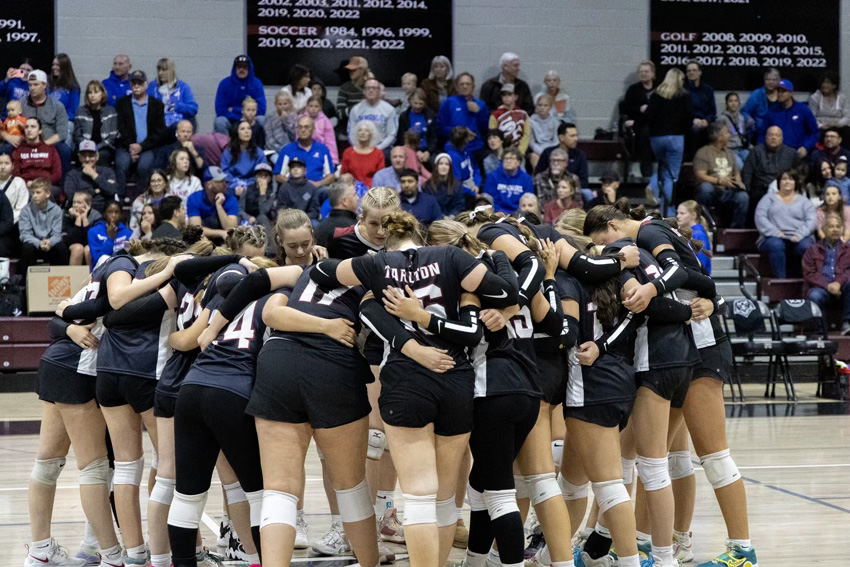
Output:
(54, 118)
(98, 181)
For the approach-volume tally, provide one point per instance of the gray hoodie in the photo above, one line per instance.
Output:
(35, 224)
(544, 132)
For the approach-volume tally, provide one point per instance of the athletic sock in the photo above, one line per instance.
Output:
(225, 518)
(113, 553)
(597, 545)
(602, 530)
(643, 537)
(299, 515)
(544, 557)
(89, 538)
(681, 535)
(630, 561)
(336, 521)
(663, 554)
(743, 543)
(587, 531)
(563, 563)
(199, 549)
(253, 558)
(41, 546)
(161, 560)
(473, 559)
(137, 553)
(459, 512)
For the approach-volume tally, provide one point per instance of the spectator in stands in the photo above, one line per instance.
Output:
(249, 115)
(419, 118)
(351, 93)
(445, 187)
(702, 100)
(141, 132)
(257, 201)
(317, 87)
(62, 85)
(420, 204)
(15, 188)
(463, 109)
(96, 180)
(97, 122)
(108, 235)
(785, 221)
(391, 176)
(495, 145)
(181, 181)
(528, 204)
(576, 158)
(439, 84)
(362, 159)
(546, 181)
(183, 141)
(117, 84)
(241, 157)
(15, 85)
(718, 179)
(741, 128)
(172, 216)
(232, 91)
(609, 191)
(830, 106)
(409, 82)
(343, 199)
(323, 130)
(832, 151)
(13, 125)
(34, 159)
(761, 99)
(54, 120)
(764, 164)
(798, 124)
(8, 228)
(560, 105)
(40, 228)
(633, 111)
(377, 111)
(320, 168)
(79, 218)
(157, 189)
(214, 208)
(514, 122)
(491, 90)
(464, 165)
(280, 126)
(298, 193)
(297, 86)
(508, 183)
(176, 96)
(148, 222)
(567, 197)
(840, 179)
(688, 216)
(826, 270)
(833, 202)
(670, 118)
(544, 128)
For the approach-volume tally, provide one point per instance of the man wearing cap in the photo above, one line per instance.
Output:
(389, 176)
(491, 90)
(96, 180)
(799, 126)
(51, 113)
(378, 112)
(298, 193)
(511, 120)
(351, 91)
(314, 154)
(232, 91)
(213, 208)
(141, 132)
(117, 84)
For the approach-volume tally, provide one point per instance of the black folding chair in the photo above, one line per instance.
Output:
(753, 336)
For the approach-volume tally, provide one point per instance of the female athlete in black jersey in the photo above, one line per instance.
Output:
(427, 415)
(703, 407)
(295, 239)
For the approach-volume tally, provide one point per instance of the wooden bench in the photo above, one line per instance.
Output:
(23, 341)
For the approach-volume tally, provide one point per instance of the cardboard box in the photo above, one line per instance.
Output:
(49, 285)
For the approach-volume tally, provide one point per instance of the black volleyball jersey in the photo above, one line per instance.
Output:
(434, 273)
(179, 363)
(230, 361)
(491, 231)
(347, 242)
(67, 354)
(340, 303)
(211, 290)
(120, 262)
(139, 350)
(611, 378)
(542, 231)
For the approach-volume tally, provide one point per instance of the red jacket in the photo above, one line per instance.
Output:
(813, 261)
(40, 160)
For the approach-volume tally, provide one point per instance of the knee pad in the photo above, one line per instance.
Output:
(96, 472)
(653, 472)
(521, 487)
(234, 493)
(720, 469)
(420, 509)
(476, 499)
(446, 512)
(628, 470)
(542, 487)
(571, 491)
(129, 472)
(155, 460)
(355, 503)
(163, 490)
(679, 464)
(557, 451)
(279, 508)
(377, 444)
(500, 503)
(46, 471)
(255, 506)
(186, 510)
(610, 493)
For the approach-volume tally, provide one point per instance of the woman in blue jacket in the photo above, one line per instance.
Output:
(175, 94)
(240, 158)
(63, 86)
(109, 235)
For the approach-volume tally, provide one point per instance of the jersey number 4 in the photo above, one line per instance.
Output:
(241, 328)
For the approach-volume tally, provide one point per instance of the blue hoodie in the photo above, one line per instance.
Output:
(181, 103)
(464, 167)
(70, 99)
(101, 245)
(241, 170)
(232, 91)
(798, 124)
(507, 189)
(116, 88)
(454, 112)
(14, 89)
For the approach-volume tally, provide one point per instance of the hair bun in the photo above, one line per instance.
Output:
(400, 223)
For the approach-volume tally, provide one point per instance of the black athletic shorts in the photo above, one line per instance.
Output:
(308, 388)
(62, 386)
(163, 406)
(669, 383)
(614, 414)
(552, 376)
(116, 390)
(716, 362)
(412, 396)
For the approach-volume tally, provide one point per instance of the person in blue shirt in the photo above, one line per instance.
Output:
(507, 184)
(15, 86)
(109, 235)
(761, 99)
(421, 205)
(213, 209)
(464, 110)
(464, 166)
(420, 119)
(62, 85)
(117, 84)
(175, 94)
(445, 187)
(232, 90)
(795, 119)
(241, 157)
(688, 215)
(320, 169)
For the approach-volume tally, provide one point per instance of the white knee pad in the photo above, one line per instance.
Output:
(521, 487)
(679, 464)
(234, 493)
(186, 510)
(653, 472)
(163, 490)
(279, 508)
(446, 512)
(96, 472)
(557, 451)
(420, 509)
(720, 469)
(355, 503)
(255, 506)
(500, 502)
(155, 460)
(129, 472)
(46, 471)
(377, 444)
(476, 499)
(628, 470)
(542, 487)
(610, 493)
(572, 491)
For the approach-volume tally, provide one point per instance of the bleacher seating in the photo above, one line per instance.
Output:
(22, 342)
